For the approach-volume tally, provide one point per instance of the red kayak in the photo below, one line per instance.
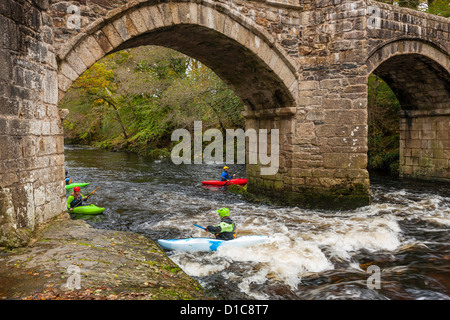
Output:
(222, 183)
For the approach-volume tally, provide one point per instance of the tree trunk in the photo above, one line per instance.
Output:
(119, 119)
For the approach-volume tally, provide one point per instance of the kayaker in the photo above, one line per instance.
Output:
(75, 199)
(67, 178)
(225, 176)
(226, 229)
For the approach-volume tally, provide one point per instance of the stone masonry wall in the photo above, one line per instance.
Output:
(425, 144)
(330, 140)
(31, 141)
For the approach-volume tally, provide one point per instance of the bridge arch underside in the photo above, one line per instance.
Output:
(421, 82)
(250, 78)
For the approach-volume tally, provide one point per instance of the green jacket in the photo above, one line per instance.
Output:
(72, 202)
(225, 230)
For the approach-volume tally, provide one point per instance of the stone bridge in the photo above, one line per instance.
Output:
(300, 66)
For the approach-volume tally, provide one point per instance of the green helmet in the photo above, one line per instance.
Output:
(223, 212)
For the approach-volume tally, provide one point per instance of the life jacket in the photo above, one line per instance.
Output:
(224, 176)
(76, 202)
(227, 235)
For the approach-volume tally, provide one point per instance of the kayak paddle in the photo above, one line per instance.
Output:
(79, 203)
(226, 183)
(93, 191)
(199, 226)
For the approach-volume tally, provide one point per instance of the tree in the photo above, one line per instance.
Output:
(383, 120)
(439, 7)
(98, 82)
(139, 96)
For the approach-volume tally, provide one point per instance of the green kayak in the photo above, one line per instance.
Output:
(90, 209)
(79, 184)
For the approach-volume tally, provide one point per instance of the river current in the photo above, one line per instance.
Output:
(403, 236)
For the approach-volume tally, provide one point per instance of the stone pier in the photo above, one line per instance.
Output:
(425, 144)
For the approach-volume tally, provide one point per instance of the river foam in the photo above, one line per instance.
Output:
(302, 242)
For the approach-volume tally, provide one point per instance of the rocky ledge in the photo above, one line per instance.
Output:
(71, 260)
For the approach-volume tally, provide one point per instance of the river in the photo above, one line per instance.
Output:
(404, 234)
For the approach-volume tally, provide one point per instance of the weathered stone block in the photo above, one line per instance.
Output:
(112, 35)
(85, 54)
(330, 83)
(336, 160)
(67, 71)
(138, 21)
(155, 15)
(50, 87)
(103, 41)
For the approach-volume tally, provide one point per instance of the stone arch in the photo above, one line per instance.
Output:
(245, 56)
(418, 72)
(413, 69)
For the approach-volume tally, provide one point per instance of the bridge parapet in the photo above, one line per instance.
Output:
(389, 23)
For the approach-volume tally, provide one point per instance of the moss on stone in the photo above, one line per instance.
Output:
(119, 265)
(234, 188)
(15, 238)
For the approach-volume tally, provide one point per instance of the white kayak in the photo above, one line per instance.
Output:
(209, 244)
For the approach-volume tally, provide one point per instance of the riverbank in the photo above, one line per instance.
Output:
(70, 260)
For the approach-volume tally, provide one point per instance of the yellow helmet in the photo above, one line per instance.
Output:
(225, 168)
(223, 212)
